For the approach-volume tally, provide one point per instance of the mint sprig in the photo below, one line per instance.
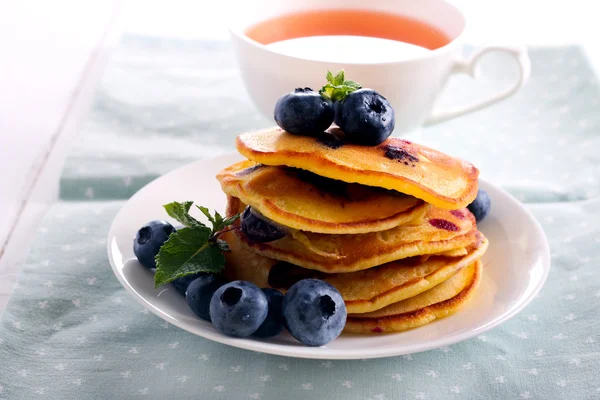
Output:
(194, 248)
(337, 87)
(180, 212)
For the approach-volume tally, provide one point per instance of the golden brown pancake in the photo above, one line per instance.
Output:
(363, 291)
(441, 230)
(375, 288)
(301, 200)
(396, 164)
(439, 302)
(461, 251)
(243, 264)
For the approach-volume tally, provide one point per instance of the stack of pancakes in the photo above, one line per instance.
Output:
(386, 225)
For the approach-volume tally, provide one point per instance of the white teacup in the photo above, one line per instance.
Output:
(411, 84)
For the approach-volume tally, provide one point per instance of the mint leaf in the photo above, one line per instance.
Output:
(228, 221)
(329, 76)
(207, 214)
(339, 78)
(337, 87)
(185, 253)
(195, 248)
(180, 212)
(218, 222)
(218, 225)
(221, 223)
(351, 85)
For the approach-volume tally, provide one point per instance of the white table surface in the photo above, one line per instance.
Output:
(53, 54)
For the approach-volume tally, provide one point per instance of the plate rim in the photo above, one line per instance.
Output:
(307, 352)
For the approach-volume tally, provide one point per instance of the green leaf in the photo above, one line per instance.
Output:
(195, 248)
(207, 214)
(339, 78)
(337, 87)
(329, 77)
(217, 221)
(228, 221)
(352, 85)
(187, 252)
(180, 212)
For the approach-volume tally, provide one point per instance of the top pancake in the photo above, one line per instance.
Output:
(396, 164)
(302, 200)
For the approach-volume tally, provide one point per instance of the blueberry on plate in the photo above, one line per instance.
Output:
(304, 112)
(238, 309)
(273, 324)
(314, 312)
(259, 228)
(366, 117)
(148, 240)
(480, 207)
(200, 291)
(181, 284)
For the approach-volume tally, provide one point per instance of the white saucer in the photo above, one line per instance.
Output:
(515, 268)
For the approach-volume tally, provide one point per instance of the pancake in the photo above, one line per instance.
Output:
(441, 301)
(243, 264)
(375, 288)
(440, 230)
(461, 251)
(362, 291)
(396, 164)
(301, 200)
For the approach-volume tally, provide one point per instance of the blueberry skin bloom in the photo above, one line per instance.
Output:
(480, 207)
(238, 308)
(199, 293)
(181, 284)
(148, 241)
(314, 312)
(304, 112)
(365, 117)
(273, 324)
(259, 228)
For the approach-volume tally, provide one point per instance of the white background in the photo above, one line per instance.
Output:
(53, 53)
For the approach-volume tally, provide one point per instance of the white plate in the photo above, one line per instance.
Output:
(515, 268)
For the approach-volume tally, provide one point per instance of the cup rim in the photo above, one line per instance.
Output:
(238, 33)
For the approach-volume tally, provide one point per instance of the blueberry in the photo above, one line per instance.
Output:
(337, 109)
(181, 284)
(200, 291)
(366, 117)
(273, 324)
(259, 228)
(480, 207)
(304, 112)
(238, 309)
(148, 240)
(314, 312)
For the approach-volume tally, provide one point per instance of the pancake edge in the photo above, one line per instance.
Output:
(413, 319)
(336, 268)
(396, 294)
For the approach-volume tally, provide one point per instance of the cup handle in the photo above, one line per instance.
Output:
(469, 67)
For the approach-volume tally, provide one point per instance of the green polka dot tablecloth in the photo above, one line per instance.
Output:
(71, 332)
